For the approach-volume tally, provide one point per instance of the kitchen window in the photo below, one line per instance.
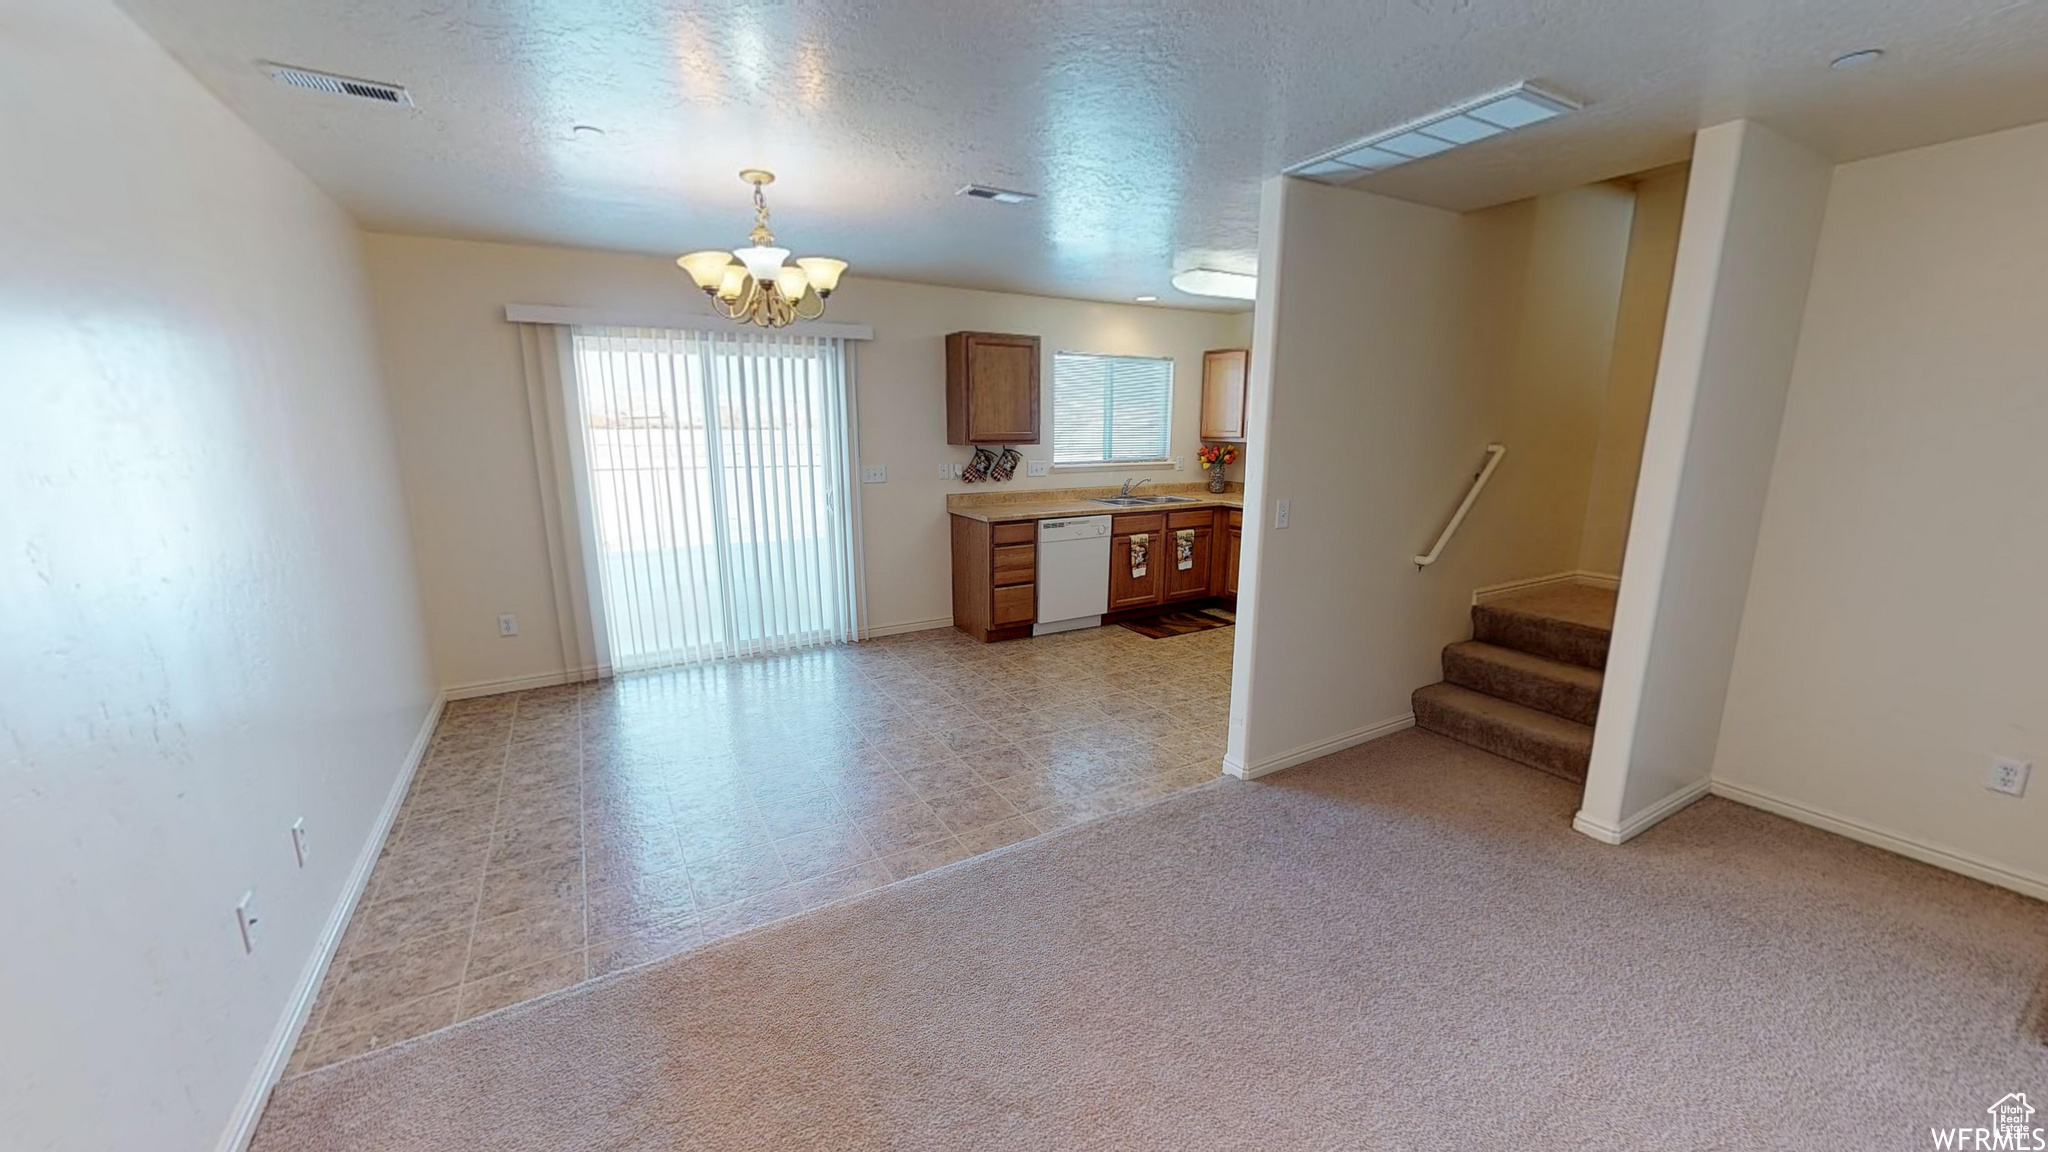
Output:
(1110, 409)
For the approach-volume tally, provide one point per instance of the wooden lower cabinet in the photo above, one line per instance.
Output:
(995, 568)
(1127, 591)
(1233, 542)
(995, 578)
(1197, 581)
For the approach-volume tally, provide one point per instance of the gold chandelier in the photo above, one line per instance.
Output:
(753, 285)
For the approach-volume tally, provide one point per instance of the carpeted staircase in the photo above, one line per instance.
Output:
(1527, 685)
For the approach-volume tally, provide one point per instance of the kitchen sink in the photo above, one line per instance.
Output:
(1135, 501)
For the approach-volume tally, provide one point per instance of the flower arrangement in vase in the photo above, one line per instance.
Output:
(1214, 457)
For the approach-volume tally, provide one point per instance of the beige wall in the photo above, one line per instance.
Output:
(1892, 637)
(1752, 219)
(1392, 343)
(1632, 366)
(454, 371)
(209, 626)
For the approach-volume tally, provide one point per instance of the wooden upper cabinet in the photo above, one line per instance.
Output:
(991, 388)
(1226, 374)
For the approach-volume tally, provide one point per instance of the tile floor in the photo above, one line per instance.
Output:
(556, 835)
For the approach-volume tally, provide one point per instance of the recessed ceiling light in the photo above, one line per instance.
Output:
(587, 130)
(1216, 282)
(1147, 299)
(1491, 115)
(1857, 58)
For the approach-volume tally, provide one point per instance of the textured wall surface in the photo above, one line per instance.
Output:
(208, 623)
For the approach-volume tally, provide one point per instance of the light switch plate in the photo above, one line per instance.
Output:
(1280, 514)
(508, 624)
(1037, 467)
(874, 474)
(245, 919)
(302, 846)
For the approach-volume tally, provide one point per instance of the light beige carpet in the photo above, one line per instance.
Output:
(1402, 946)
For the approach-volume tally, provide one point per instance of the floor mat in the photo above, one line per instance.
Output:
(1182, 623)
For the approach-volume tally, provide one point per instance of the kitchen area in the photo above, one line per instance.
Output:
(1162, 557)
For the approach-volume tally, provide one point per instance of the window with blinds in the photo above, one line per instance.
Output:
(1109, 409)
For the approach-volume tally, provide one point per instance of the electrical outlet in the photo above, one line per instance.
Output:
(874, 474)
(955, 470)
(2008, 775)
(1037, 467)
(245, 919)
(946, 469)
(302, 847)
(1280, 514)
(1180, 463)
(508, 625)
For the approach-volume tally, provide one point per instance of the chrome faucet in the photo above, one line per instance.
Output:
(1131, 485)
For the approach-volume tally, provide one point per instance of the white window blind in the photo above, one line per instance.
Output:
(717, 469)
(1110, 408)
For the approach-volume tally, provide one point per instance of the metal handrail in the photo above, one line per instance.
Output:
(1493, 454)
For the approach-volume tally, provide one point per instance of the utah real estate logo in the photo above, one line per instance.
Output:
(2011, 1130)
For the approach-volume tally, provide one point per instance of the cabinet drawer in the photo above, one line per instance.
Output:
(1016, 564)
(1199, 518)
(1137, 522)
(1017, 604)
(1014, 532)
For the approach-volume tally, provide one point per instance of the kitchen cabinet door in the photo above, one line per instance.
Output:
(1128, 591)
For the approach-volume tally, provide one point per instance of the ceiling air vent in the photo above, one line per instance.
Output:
(999, 195)
(392, 94)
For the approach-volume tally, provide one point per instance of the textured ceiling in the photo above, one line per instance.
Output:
(1145, 128)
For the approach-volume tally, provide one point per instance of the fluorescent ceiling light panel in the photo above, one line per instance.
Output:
(1462, 129)
(1335, 167)
(1215, 282)
(1416, 145)
(1494, 114)
(1517, 110)
(1370, 158)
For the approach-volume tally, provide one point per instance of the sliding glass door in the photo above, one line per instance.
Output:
(716, 470)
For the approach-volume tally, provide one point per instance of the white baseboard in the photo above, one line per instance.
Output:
(249, 1109)
(1975, 867)
(520, 683)
(882, 630)
(1319, 749)
(1577, 576)
(1642, 821)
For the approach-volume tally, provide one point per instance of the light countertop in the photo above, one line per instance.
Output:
(997, 507)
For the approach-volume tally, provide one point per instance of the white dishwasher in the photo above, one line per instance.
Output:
(1073, 573)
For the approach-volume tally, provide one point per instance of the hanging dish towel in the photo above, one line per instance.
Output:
(1184, 549)
(1140, 545)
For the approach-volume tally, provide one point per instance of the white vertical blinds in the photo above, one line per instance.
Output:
(1110, 408)
(717, 471)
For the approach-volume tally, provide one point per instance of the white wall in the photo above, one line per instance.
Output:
(1891, 641)
(456, 385)
(1752, 218)
(1632, 367)
(209, 623)
(1392, 342)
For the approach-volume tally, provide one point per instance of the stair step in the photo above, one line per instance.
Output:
(1566, 690)
(1549, 743)
(1565, 622)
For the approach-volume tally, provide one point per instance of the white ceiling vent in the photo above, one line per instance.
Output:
(999, 195)
(394, 95)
